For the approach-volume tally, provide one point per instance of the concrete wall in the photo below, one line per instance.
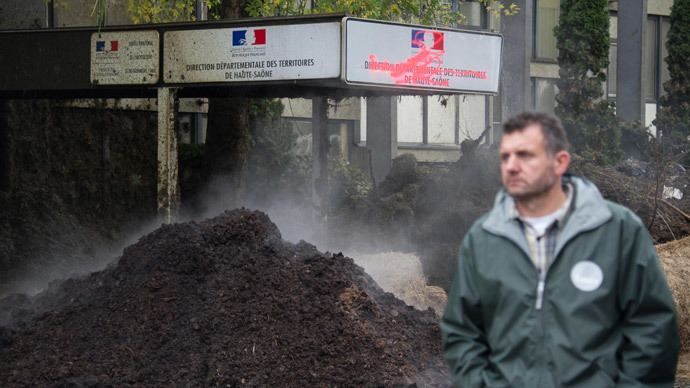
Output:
(432, 155)
(347, 109)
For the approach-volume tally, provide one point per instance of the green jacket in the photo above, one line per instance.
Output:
(607, 318)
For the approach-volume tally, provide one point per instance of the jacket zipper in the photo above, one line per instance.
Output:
(542, 270)
(540, 291)
(541, 285)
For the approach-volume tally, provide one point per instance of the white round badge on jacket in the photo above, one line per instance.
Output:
(586, 276)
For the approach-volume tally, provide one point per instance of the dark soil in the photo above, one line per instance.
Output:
(222, 302)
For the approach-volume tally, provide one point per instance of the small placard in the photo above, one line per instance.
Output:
(125, 58)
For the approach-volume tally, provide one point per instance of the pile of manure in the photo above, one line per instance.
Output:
(221, 302)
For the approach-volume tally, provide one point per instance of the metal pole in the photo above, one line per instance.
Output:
(198, 126)
(200, 10)
(51, 14)
(517, 53)
(344, 141)
(168, 190)
(425, 120)
(630, 91)
(200, 13)
(382, 134)
(319, 148)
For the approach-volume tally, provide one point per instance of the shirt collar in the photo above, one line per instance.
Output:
(561, 213)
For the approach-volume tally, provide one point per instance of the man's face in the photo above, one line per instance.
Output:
(527, 169)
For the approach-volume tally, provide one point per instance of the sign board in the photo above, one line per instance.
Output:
(268, 53)
(125, 58)
(396, 55)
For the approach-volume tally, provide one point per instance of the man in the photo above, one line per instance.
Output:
(556, 286)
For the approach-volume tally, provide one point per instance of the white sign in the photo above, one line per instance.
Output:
(283, 52)
(125, 58)
(396, 55)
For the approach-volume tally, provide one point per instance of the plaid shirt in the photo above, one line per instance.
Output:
(542, 246)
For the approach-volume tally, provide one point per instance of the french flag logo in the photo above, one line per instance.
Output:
(106, 46)
(430, 40)
(249, 37)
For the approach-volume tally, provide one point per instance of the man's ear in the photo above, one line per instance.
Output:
(561, 162)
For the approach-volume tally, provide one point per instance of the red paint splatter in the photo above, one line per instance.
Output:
(421, 67)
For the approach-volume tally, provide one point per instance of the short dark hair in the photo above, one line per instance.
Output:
(555, 137)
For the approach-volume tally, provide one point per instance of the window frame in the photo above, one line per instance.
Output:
(659, 61)
(483, 23)
(613, 42)
(535, 19)
(659, 40)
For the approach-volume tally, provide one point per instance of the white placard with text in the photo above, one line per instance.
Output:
(283, 52)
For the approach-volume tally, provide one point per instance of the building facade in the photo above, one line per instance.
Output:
(432, 128)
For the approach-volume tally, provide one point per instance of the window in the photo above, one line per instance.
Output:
(656, 72)
(544, 92)
(473, 12)
(665, 74)
(612, 72)
(546, 17)
(650, 52)
(411, 119)
(340, 134)
(475, 15)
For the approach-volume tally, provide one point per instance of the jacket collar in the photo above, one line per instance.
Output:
(589, 212)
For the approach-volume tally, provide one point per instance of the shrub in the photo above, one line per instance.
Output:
(583, 43)
(673, 119)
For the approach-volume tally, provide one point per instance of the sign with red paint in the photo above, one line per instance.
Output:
(390, 54)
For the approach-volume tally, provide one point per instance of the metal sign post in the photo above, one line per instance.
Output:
(320, 144)
(168, 188)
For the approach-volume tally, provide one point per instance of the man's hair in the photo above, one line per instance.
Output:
(555, 138)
